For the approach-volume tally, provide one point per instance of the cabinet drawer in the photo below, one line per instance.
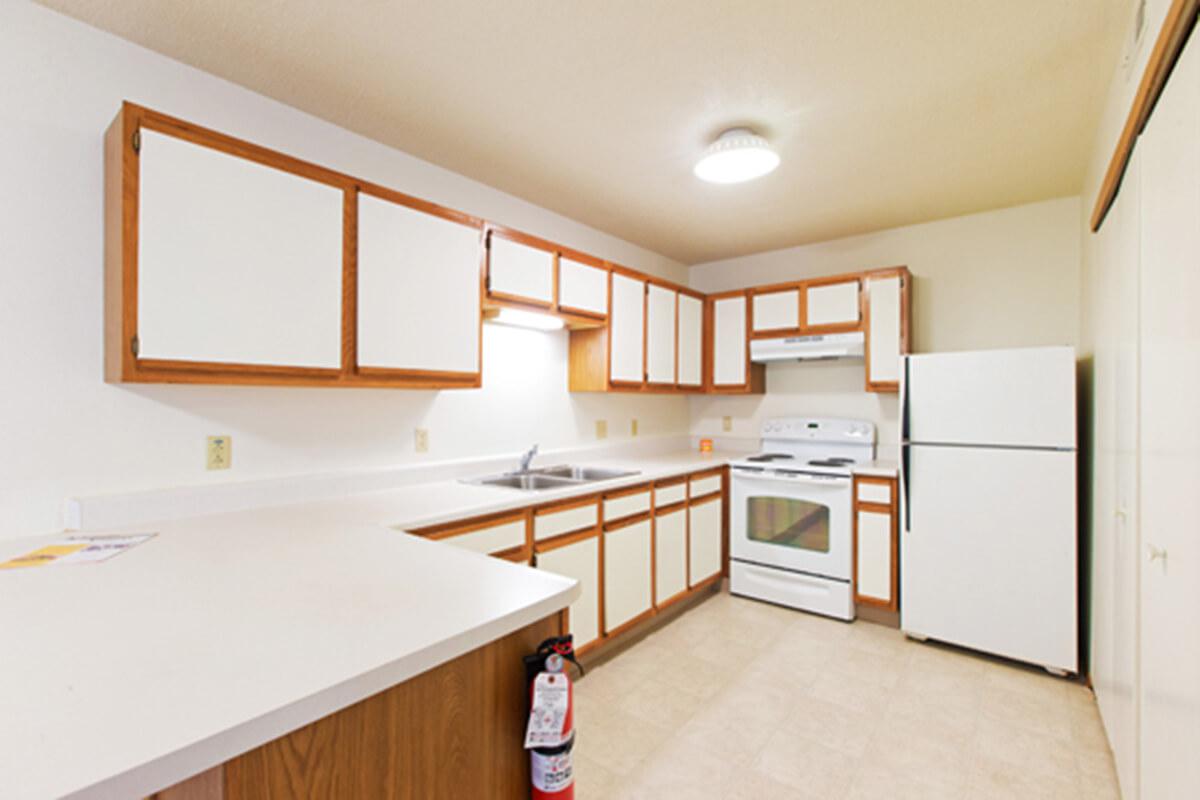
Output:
(667, 495)
(626, 505)
(874, 493)
(495, 538)
(551, 522)
(706, 485)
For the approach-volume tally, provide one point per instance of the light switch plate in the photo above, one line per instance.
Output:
(219, 454)
(421, 440)
(601, 429)
(727, 424)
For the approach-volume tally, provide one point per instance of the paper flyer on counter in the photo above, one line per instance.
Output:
(78, 549)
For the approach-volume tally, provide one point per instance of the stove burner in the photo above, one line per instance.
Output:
(771, 457)
(831, 462)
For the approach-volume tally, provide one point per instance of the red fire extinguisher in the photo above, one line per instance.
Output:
(550, 735)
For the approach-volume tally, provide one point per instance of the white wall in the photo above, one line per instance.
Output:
(1006, 278)
(68, 433)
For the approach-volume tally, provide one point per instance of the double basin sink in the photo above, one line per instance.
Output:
(559, 477)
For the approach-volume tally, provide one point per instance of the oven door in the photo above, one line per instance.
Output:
(796, 521)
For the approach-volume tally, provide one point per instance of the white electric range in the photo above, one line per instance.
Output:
(790, 516)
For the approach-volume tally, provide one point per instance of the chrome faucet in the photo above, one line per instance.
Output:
(527, 459)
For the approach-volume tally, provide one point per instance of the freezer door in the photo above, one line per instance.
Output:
(988, 558)
(1020, 398)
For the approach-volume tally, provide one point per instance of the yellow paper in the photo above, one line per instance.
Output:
(43, 556)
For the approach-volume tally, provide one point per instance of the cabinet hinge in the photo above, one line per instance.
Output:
(134, 346)
(137, 141)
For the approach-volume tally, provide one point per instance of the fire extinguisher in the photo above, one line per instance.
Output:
(550, 735)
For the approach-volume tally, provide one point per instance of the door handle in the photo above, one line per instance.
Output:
(905, 476)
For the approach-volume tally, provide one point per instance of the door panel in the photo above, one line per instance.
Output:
(660, 335)
(831, 304)
(883, 343)
(704, 550)
(582, 287)
(418, 289)
(580, 561)
(989, 551)
(777, 311)
(873, 555)
(796, 522)
(729, 341)
(691, 340)
(518, 270)
(626, 573)
(1170, 436)
(670, 555)
(626, 326)
(238, 263)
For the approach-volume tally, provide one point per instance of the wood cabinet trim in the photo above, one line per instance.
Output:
(457, 527)
(565, 539)
(624, 522)
(670, 508)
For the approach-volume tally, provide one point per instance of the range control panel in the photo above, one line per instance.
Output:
(819, 429)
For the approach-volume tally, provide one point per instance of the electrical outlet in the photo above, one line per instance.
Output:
(220, 452)
(421, 440)
(601, 429)
(633, 427)
(727, 424)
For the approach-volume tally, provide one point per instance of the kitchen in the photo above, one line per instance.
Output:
(305, 483)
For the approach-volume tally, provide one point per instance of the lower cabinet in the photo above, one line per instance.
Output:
(579, 560)
(627, 575)
(876, 567)
(670, 555)
(704, 541)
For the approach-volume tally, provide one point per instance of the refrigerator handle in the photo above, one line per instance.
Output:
(904, 480)
(904, 401)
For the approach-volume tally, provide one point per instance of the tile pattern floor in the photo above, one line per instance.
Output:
(740, 699)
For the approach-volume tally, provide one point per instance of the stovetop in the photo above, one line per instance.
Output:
(819, 445)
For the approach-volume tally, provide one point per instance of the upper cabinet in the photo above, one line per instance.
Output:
(776, 312)
(887, 324)
(582, 287)
(832, 305)
(661, 330)
(731, 370)
(237, 263)
(627, 322)
(407, 321)
(520, 271)
(690, 335)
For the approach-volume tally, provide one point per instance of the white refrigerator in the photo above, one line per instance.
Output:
(988, 528)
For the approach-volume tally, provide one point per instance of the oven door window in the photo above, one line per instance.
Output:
(787, 522)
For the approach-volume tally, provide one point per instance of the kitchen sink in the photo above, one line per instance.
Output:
(576, 473)
(558, 477)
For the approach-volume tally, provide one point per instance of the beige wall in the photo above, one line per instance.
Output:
(1006, 278)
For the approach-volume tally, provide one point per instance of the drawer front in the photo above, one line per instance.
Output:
(875, 493)
(666, 495)
(703, 486)
(626, 505)
(554, 523)
(495, 539)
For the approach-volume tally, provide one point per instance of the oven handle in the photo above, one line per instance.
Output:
(831, 481)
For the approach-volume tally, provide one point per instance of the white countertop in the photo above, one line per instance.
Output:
(879, 468)
(230, 630)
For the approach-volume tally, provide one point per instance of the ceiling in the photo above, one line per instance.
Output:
(885, 112)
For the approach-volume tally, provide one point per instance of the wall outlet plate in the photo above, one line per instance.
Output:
(421, 440)
(633, 427)
(601, 429)
(219, 453)
(727, 424)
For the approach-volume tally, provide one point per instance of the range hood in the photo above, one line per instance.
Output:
(807, 348)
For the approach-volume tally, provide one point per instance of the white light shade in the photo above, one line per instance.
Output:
(737, 155)
(527, 319)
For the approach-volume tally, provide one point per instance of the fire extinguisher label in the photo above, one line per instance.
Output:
(552, 773)
(547, 718)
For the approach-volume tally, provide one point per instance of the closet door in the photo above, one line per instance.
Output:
(418, 290)
(1170, 436)
(237, 262)
(627, 329)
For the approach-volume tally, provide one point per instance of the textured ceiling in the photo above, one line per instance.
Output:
(885, 112)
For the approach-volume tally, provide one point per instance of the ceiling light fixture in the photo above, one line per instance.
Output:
(738, 154)
(527, 319)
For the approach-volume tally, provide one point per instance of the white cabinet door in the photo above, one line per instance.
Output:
(582, 287)
(418, 289)
(626, 573)
(491, 540)
(729, 341)
(580, 561)
(691, 340)
(884, 336)
(831, 304)
(1170, 436)
(626, 325)
(873, 554)
(777, 310)
(670, 555)
(704, 546)
(238, 263)
(660, 335)
(520, 271)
